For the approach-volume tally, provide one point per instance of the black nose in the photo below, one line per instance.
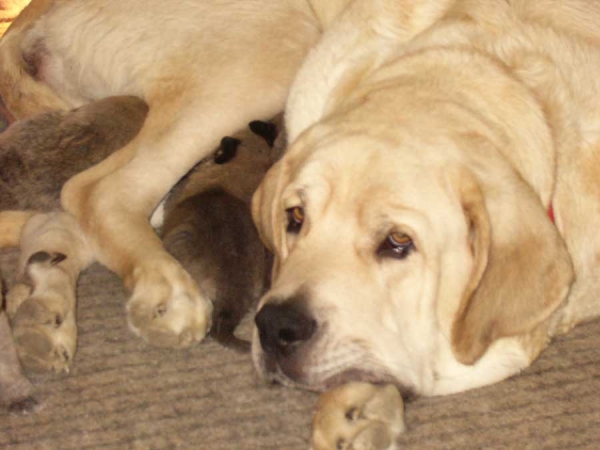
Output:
(283, 327)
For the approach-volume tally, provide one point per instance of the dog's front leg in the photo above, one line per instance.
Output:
(114, 200)
(358, 416)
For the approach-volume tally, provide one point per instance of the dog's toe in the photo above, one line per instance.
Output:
(358, 416)
(166, 308)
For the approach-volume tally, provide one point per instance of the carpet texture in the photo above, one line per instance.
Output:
(123, 394)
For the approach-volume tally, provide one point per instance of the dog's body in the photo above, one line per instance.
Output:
(433, 145)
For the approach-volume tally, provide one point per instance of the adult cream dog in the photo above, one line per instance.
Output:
(434, 217)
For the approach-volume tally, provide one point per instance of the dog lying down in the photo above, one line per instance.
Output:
(433, 220)
(208, 210)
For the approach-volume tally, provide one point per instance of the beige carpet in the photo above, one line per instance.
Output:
(122, 394)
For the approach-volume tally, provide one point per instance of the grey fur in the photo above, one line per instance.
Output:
(209, 228)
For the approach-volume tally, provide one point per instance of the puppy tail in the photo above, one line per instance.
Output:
(11, 223)
(21, 57)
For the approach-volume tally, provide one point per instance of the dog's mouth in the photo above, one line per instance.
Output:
(304, 372)
(339, 379)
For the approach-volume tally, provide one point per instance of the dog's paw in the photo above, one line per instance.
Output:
(358, 416)
(166, 307)
(42, 314)
(45, 337)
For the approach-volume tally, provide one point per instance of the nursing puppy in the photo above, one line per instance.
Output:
(208, 226)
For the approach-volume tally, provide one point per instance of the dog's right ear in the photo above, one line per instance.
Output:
(267, 212)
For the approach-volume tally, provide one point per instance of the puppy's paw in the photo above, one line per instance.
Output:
(43, 315)
(166, 308)
(358, 416)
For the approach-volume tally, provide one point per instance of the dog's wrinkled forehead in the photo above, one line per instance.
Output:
(364, 173)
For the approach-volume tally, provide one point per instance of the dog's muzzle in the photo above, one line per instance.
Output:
(284, 327)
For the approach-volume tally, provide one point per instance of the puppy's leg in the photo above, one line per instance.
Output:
(358, 416)
(114, 200)
(42, 304)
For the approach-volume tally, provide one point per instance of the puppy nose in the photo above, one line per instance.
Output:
(283, 327)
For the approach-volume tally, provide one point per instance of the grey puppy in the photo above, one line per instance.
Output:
(209, 229)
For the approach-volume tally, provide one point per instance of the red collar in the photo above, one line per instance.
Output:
(551, 213)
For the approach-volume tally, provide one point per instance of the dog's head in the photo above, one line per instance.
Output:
(397, 243)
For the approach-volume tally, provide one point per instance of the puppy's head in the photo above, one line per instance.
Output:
(394, 247)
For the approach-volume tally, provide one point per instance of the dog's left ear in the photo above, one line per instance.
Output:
(267, 213)
(521, 272)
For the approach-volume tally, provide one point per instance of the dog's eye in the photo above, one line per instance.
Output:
(295, 219)
(397, 245)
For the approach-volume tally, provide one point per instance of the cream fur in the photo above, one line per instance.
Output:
(455, 122)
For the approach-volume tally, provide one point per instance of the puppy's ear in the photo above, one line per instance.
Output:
(266, 130)
(521, 271)
(266, 210)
